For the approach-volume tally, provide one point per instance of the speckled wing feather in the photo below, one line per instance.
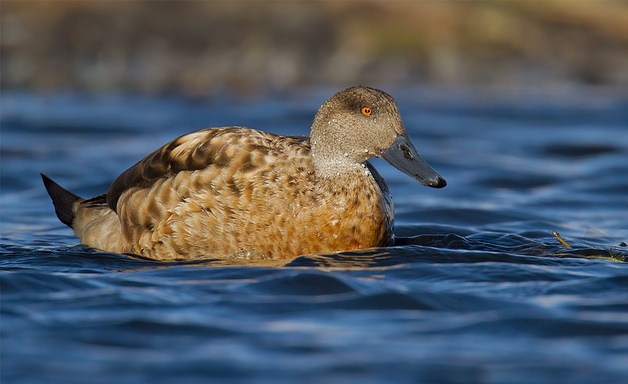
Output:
(218, 191)
(194, 151)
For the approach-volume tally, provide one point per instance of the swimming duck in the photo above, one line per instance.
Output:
(235, 192)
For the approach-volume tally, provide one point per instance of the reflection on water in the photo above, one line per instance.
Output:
(475, 289)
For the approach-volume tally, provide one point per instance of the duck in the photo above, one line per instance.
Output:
(240, 193)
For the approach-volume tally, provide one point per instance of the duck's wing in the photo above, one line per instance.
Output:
(217, 147)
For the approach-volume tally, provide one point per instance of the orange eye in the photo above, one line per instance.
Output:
(366, 111)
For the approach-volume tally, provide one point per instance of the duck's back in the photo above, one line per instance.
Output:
(236, 192)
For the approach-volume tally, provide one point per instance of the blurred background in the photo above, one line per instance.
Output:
(201, 48)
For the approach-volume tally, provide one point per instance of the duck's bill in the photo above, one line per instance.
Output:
(403, 156)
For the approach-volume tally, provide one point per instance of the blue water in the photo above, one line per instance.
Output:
(477, 291)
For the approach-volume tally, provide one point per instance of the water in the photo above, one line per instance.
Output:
(478, 289)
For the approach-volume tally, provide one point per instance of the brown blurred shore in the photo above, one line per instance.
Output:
(203, 47)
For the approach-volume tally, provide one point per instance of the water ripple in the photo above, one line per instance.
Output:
(475, 289)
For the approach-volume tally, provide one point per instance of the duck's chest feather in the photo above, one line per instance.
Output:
(236, 193)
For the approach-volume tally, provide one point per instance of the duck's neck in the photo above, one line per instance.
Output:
(339, 168)
(331, 163)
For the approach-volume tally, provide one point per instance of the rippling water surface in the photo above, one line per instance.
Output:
(477, 289)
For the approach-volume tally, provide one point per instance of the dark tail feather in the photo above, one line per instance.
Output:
(62, 199)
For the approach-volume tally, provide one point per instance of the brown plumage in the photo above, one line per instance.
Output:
(240, 193)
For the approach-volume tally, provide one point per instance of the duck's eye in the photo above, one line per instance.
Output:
(366, 111)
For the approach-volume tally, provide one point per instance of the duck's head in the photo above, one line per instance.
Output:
(359, 123)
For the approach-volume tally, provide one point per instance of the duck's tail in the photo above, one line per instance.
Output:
(62, 199)
(92, 221)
